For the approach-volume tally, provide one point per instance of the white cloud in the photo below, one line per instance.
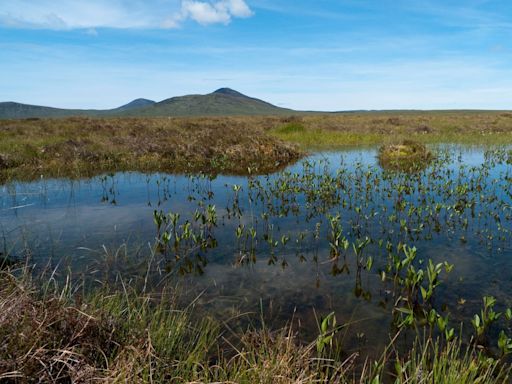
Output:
(238, 8)
(209, 12)
(206, 13)
(70, 14)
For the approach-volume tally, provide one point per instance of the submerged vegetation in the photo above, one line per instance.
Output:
(373, 233)
(352, 221)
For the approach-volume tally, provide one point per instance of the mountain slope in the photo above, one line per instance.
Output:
(222, 102)
(11, 110)
(135, 104)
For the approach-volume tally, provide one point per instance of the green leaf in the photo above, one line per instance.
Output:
(423, 293)
(476, 321)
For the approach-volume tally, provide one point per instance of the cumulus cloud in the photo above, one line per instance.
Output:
(71, 14)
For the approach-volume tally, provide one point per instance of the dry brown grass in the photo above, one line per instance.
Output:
(117, 337)
(56, 336)
(87, 146)
(45, 340)
(84, 146)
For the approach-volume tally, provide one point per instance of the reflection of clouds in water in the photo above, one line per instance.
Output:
(69, 215)
(229, 290)
(83, 226)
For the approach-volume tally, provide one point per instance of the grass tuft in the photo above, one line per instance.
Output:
(113, 336)
(408, 155)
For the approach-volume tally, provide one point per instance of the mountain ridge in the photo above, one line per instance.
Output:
(134, 104)
(221, 102)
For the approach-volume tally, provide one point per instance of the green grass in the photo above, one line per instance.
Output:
(322, 139)
(319, 139)
(331, 131)
(448, 363)
(124, 335)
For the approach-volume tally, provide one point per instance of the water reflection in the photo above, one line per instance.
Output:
(320, 235)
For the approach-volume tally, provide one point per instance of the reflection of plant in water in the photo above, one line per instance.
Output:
(109, 193)
(419, 206)
(6, 261)
(357, 215)
(414, 290)
(356, 219)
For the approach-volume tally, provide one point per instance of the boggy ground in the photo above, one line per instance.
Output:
(112, 335)
(55, 334)
(330, 131)
(76, 147)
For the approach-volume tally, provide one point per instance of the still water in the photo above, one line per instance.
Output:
(269, 249)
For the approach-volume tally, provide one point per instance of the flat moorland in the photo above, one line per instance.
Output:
(81, 146)
(85, 146)
(365, 128)
(61, 329)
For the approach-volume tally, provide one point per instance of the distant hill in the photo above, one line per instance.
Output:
(222, 102)
(11, 110)
(135, 104)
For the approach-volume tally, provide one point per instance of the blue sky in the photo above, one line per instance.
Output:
(316, 54)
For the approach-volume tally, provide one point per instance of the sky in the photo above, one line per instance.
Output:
(301, 54)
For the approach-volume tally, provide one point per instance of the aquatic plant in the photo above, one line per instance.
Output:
(56, 334)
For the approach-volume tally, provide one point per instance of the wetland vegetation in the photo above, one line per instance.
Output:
(82, 146)
(78, 147)
(233, 269)
(408, 155)
(330, 131)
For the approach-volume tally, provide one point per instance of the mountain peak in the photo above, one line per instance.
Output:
(228, 91)
(137, 103)
(222, 102)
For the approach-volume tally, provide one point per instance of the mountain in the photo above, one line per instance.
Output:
(222, 102)
(135, 104)
(11, 110)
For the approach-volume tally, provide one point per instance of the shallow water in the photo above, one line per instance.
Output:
(105, 224)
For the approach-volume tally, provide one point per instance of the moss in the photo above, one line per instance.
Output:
(408, 155)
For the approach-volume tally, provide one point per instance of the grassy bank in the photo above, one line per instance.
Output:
(83, 147)
(59, 335)
(337, 130)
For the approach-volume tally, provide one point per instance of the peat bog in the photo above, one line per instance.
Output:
(221, 265)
